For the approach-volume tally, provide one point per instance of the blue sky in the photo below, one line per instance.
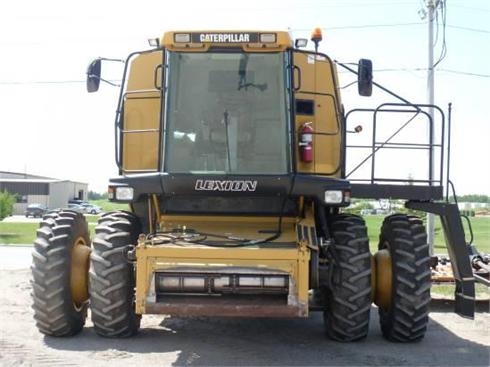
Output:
(50, 126)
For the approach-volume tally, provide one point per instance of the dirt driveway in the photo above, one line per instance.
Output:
(450, 340)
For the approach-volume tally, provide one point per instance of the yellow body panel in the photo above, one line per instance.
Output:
(141, 130)
(317, 83)
(293, 261)
(243, 227)
(289, 254)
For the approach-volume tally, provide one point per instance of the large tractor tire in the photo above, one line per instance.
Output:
(112, 277)
(405, 313)
(60, 273)
(346, 317)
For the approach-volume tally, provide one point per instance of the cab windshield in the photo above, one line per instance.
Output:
(226, 113)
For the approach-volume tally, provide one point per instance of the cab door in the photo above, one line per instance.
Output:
(317, 103)
(140, 131)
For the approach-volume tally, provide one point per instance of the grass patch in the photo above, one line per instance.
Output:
(446, 291)
(480, 225)
(25, 233)
(92, 218)
(481, 233)
(18, 233)
(108, 206)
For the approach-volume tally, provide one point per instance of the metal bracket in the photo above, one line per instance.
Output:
(458, 253)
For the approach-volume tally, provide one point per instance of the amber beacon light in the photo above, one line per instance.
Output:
(316, 37)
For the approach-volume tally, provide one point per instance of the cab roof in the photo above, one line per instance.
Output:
(249, 41)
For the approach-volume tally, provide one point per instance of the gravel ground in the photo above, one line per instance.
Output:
(164, 341)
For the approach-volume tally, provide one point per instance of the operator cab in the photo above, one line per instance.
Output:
(229, 122)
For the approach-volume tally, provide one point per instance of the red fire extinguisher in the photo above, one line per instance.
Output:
(306, 142)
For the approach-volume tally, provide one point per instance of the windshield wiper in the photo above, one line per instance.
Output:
(227, 122)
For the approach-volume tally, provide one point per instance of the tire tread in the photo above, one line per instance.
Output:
(407, 318)
(112, 277)
(54, 311)
(349, 298)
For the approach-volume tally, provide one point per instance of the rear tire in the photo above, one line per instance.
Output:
(407, 317)
(112, 278)
(55, 311)
(349, 294)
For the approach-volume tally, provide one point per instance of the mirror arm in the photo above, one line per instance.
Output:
(110, 83)
(107, 59)
(103, 80)
(376, 84)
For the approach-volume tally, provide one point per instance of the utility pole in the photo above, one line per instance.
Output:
(431, 5)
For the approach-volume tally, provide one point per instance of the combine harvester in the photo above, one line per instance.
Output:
(232, 149)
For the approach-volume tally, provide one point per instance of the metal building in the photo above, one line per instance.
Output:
(51, 192)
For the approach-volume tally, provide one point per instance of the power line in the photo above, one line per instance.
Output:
(425, 69)
(360, 26)
(442, 55)
(6, 82)
(465, 73)
(468, 29)
(34, 82)
(375, 25)
(439, 69)
(394, 25)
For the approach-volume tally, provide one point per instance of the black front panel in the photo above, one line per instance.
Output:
(230, 205)
(231, 194)
(226, 185)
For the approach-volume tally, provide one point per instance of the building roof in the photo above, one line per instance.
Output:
(25, 177)
(18, 175)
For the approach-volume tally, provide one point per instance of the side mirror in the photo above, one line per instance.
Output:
(93, 76)
(365, 77)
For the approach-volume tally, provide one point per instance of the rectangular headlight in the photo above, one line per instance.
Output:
(182, 37)
(124, 193)
(333, 196)
(267, 37)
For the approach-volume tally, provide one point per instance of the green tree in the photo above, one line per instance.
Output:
(474, 198)
(7, 201)
(92, 195)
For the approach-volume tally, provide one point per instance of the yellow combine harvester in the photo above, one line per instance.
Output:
(231, 148)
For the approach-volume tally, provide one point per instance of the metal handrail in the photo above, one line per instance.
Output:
(376, 145)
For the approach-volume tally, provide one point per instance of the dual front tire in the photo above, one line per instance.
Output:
(62, 265)
(403, 313)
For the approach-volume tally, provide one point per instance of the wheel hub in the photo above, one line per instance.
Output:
(384, 281)
(80, 257)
